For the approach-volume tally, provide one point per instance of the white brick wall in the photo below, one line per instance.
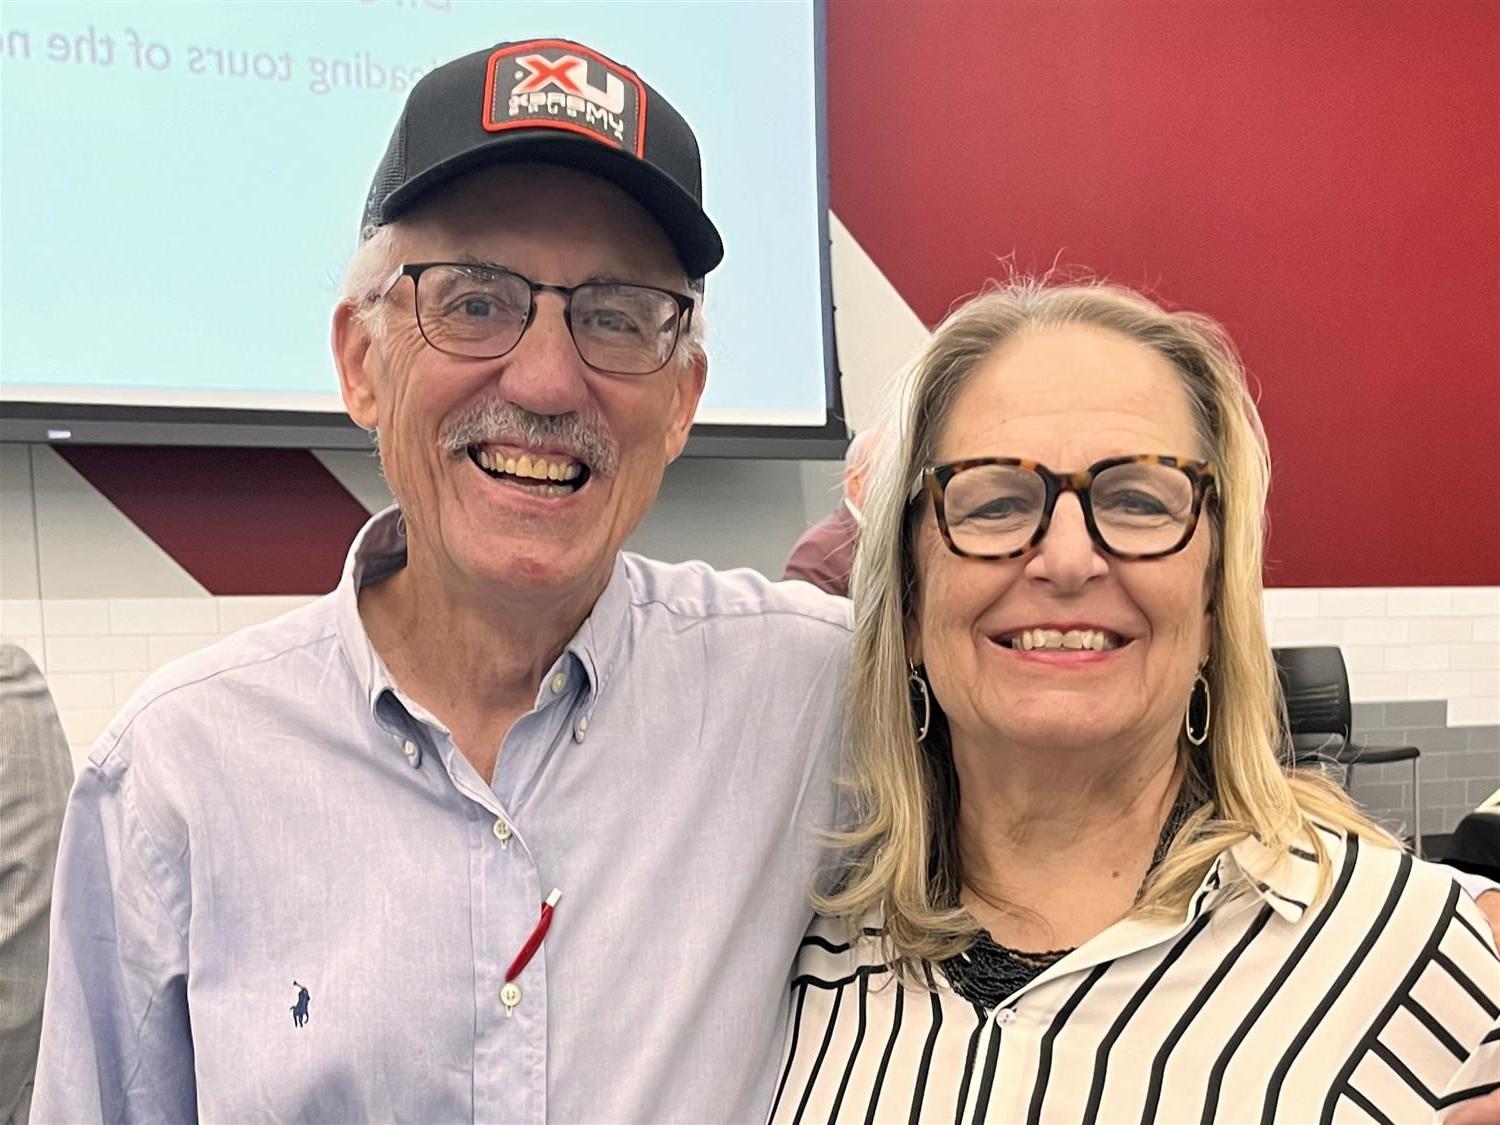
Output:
(1404, 644)
(152, 617)
(1400, 644)
(96, 652)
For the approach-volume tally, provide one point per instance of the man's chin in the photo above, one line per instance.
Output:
(541, 567)
(508, 548)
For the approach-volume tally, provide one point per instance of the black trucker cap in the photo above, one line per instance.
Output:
(548, 101)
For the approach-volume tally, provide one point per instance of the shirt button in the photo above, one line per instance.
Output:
(503, 831)
(581, 729)
(510, 995)
(411, 751)
(559, 682)
(1005, 1017)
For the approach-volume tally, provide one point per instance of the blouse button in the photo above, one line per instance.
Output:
(1005, 1017)
(559, 682)
(502, 831)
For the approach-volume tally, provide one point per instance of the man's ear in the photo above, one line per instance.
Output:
(351, 355)
(854, 486)
(688, 389)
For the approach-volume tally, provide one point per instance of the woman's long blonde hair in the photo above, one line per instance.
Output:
(903, 860)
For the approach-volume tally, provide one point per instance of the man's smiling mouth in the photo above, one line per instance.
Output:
(538, 473)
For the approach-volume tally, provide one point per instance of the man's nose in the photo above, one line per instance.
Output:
(544, 373)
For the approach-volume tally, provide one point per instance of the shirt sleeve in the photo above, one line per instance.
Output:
(810, 562)
(1474, 885)
(824, 556)
(116, 1041)
(1478, 1077)
(1475, 967)
(35, 772)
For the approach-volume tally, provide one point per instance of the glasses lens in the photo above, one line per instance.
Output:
(993, 509)
(472, 311)
(627, 329)
(1142, 509)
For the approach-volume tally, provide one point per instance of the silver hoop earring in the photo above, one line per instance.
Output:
(401, 524)
(918, 684)
(1199, 737)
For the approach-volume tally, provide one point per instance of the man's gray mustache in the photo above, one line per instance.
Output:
(494, 422)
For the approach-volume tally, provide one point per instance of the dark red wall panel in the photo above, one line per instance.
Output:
(240, 521)
(1324, 178)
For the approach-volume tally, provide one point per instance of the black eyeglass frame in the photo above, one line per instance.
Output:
(934, 481)
(414, 270)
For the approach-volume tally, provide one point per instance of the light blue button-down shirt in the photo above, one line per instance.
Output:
(273, 815)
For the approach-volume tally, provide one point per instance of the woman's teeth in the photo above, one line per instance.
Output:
(1096, 639)
(533, 468)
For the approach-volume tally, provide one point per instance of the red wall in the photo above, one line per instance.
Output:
(1324, 178)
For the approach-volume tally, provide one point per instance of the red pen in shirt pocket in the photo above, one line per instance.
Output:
(510, 995)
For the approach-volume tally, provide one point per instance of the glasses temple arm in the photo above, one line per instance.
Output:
(388, 284)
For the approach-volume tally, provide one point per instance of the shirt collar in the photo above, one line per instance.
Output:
(379, 550)
(1287, 879)
(600, 640)
(1288, 883)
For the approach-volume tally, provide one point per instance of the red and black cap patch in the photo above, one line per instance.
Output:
(552, 84)
(547, 101)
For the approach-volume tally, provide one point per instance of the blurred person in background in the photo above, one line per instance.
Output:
(36, 770)
(824, 554)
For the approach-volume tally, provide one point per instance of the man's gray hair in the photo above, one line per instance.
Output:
(374, 260)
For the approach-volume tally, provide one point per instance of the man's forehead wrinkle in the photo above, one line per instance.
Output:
(468, 259)
(604, 277)
(609, 277)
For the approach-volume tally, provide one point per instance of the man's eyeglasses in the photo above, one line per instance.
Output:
(481, 313)
(1141, 507)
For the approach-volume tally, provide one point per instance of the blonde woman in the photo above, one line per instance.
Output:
(1083, 886)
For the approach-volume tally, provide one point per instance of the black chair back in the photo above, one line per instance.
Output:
(1315, 685)
(1320, 716)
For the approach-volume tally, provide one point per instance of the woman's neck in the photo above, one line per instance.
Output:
(1056, 844)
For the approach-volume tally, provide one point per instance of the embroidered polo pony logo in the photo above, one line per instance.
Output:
(299, 1009)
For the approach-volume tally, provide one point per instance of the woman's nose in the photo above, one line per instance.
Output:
(1067, 556)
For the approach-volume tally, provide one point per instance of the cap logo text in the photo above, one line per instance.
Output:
(550, 84)
(540, 74)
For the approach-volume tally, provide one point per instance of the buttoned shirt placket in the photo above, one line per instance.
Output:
(510, 1017)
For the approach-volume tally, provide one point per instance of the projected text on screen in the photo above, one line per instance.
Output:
(182, 186)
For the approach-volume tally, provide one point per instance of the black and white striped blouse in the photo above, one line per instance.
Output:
(1374, 1001)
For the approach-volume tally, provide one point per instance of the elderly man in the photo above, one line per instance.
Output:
(303, 875)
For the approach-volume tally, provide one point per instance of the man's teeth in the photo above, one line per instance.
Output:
(534, 468)
(1096, 639)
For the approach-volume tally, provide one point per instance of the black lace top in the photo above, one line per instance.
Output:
(987, 972)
